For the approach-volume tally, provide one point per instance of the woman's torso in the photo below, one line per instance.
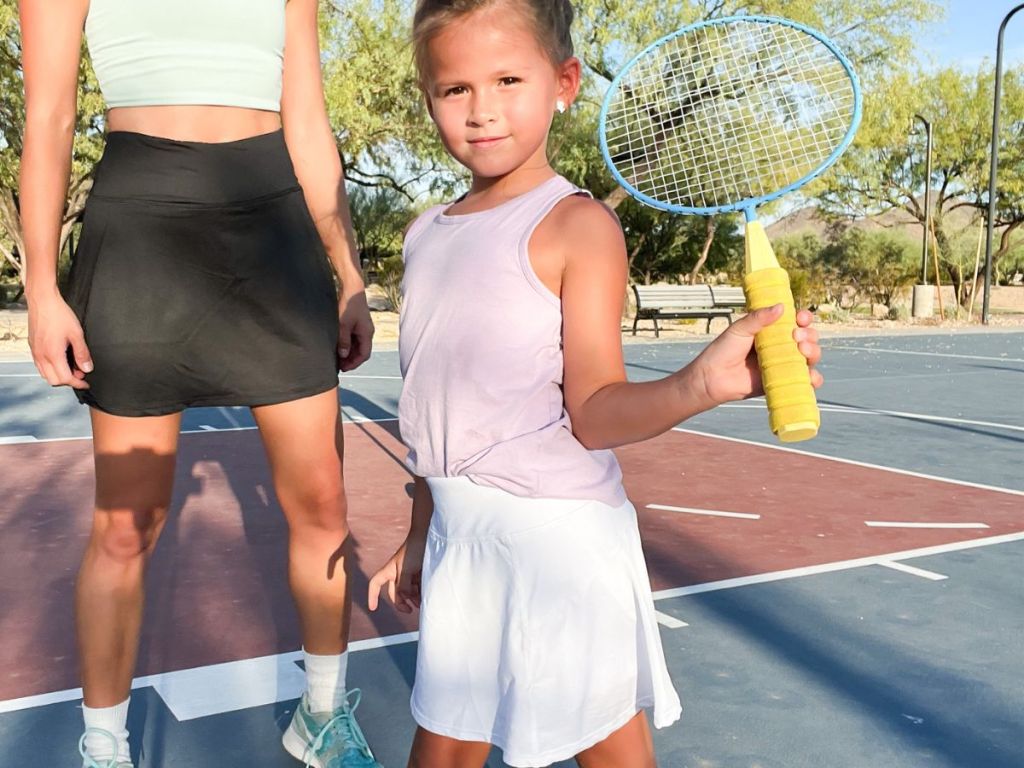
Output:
(192, 70)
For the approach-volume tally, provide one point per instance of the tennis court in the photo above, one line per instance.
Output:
(851, 602)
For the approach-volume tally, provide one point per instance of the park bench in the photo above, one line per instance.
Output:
(671, 302)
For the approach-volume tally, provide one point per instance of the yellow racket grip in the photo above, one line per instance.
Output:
(792, 408)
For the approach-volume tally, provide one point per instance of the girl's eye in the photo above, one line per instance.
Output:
(455, 90)
(510, 80)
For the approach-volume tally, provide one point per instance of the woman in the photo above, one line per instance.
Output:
(202, 278)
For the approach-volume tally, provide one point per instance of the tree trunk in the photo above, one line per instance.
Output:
(709, 238)
(1004, 245)
(10, 222)
(614, 198)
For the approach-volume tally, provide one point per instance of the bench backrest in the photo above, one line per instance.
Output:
(728, 296)
(673, 296)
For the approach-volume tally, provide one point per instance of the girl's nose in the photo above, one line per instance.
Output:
(482, 111)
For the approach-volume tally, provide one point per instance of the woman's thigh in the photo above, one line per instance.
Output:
(135, 459)
(304, 444)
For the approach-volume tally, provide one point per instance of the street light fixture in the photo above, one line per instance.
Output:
(992, 166)
(922, 299)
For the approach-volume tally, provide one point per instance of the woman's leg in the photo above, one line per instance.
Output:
(629, 747)
(134, 474)
(303, 441)
(432, 751)
(304, 444)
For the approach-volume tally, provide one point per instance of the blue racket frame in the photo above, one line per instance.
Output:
(747, 205)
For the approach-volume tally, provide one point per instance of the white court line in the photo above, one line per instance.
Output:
(924, 354)
(904, 568)
(269, 666)
(22, 376)
(218, 688)
(855, 410)
(949, 526)
(711, 512)
(852, 462)
(204, 429)
(841, 565)
(903, 376)
(669, 621)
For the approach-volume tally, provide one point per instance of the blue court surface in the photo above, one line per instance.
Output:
(850, 602)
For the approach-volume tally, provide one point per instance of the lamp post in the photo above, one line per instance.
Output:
(923, 298)
(992, 166)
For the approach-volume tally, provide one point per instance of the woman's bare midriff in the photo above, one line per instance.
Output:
(194, 123)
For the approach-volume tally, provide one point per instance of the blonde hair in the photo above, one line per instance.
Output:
(551, 21)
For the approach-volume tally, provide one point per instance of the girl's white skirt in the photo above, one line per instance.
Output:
(537, 627)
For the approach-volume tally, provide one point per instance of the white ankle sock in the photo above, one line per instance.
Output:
(114, 720)
(325, 680)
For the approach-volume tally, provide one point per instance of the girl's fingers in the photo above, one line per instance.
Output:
(374, 593)
(811, 351)
(816, 378)
(804, 318)
(376, 584)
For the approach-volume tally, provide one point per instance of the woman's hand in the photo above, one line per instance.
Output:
(728, 366)
(52, 329)
(355, 328)
(401, 575)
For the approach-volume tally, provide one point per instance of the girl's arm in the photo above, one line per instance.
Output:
(605, 409)
(51, 33)
(401, 574)
(318, 168)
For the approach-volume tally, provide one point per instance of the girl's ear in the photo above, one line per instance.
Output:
(570, 73)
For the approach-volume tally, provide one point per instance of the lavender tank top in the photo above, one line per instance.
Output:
(480, 342)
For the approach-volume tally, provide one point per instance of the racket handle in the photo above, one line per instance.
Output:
(792, 408)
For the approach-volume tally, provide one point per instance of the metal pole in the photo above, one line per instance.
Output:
(993, 165)
(927, 198)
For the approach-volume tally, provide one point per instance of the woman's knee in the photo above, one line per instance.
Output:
(317, 502)
(128, 535)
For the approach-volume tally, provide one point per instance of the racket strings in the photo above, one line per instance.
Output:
(727, 113)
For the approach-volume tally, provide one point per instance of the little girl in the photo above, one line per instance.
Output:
(537, 626)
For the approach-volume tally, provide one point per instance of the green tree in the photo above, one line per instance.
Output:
(877, 35)
(885, 167)
(384, 133)
(88, 142)
(812, 281)
(876, 266)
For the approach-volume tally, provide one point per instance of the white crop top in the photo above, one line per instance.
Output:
(200, 52)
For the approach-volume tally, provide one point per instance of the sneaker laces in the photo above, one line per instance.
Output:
(89, 761)
(343, 724)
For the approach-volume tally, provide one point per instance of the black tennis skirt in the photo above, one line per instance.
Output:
(200, 279)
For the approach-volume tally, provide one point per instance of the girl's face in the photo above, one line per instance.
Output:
(492, 91)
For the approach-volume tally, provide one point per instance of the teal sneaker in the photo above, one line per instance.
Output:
(89, 762)
(329, 740)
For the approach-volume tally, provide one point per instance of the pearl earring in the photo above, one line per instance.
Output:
(560, 106)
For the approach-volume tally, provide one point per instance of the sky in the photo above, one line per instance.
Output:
(968, 34)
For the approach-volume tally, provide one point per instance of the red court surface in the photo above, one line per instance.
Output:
(217, 590)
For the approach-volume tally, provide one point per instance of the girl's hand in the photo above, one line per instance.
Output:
(355, 329)
(728, 366)
(52, 329)
(401, 575)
